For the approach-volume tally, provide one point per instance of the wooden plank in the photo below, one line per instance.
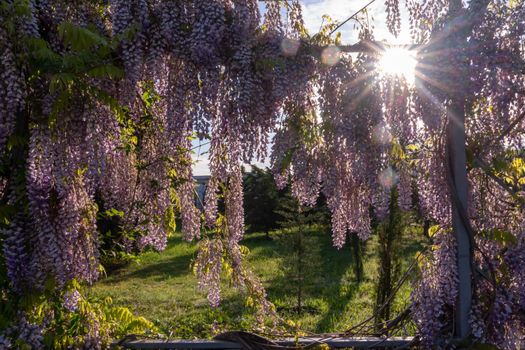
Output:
(180, 344)
(356, 342)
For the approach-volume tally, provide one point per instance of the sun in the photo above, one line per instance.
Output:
(400, 62)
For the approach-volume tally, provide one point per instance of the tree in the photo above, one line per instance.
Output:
(298, 263)
(357, 246)
(389, 239)
(260, 200)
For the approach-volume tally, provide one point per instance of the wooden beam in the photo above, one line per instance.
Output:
(459, 186)
(354, 342)
(363, 46)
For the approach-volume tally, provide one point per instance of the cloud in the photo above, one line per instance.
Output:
(336, 9)
(201, 167)
(340, 10)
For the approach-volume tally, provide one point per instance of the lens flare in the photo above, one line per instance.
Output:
(289, 46)
(331, 55)
(381, 134)
(398, 62)
(388, 178)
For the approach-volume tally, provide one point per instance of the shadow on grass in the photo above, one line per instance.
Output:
(413, 242)
(335, 267)
(259, 237)
(259, 240)
(175, 266)
(330, 274)
(336, 310)
(203, 321)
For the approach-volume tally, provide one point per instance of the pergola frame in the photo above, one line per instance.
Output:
(458, 28)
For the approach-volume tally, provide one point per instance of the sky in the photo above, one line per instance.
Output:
(338, 10)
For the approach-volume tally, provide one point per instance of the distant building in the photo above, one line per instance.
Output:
(201, 183)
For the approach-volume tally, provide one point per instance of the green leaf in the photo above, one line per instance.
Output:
(106, 71)
(397, 151)
(504, 237)
(59, 105)
(499, 164)
(79, 38)
(6, 212)
(16, 141)
(22, 9)
(114, 212)
(40, 49)
(412, 148)
(287, 159)
(61, 81)
(433, 230)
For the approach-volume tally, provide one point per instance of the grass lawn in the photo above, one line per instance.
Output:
(162, 288)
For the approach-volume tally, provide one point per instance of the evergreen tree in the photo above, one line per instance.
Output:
(389, 238)
(295, 219)
(261, 198)
(357, 247)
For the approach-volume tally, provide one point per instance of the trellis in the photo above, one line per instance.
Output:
(459, 27)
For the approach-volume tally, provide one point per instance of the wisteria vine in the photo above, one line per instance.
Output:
(99, 103)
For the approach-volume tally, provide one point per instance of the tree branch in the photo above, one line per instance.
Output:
(352, 16)
(509, 188)
(509, 128)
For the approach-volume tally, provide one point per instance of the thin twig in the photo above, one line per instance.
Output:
(509, 188)
(509, 128)
(357, 328)
(352, 16)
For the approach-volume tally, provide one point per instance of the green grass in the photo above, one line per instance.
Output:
(162, 288)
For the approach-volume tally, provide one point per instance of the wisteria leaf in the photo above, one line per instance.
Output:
(504, 237)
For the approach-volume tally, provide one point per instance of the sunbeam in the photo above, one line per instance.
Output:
(400, 62)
